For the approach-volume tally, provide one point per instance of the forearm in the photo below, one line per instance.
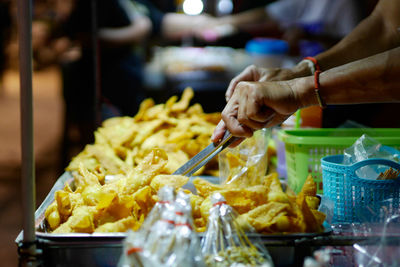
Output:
(377, 33)
(176, 25)
(374, 79)
(251, 16)
(134, 33)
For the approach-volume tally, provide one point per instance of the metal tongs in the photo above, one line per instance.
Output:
(205, 155)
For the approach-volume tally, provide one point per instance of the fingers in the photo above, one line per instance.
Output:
(248, 74)
(255, 105)
(236, 128)
(230, 118)
(247, 108)
(219, 132)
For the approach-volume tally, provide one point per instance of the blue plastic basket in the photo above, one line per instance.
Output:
(352, 194)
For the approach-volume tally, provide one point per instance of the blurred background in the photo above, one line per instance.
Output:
(94, 60)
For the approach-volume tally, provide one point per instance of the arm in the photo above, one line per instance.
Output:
(255, 105)
(176, 25)
(374, 79)
(377, 33)
(134, 33)
(248, 17)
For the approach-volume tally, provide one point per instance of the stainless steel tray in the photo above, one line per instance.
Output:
(104, 249)
(41, 228)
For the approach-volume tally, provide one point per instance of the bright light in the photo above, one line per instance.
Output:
(193, 7)
(224, 7)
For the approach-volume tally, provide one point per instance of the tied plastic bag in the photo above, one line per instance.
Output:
(246, 164)
(166, 196)
(367, 147)
(170, 241)
(225, 244)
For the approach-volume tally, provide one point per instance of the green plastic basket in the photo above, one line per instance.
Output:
(304, 149)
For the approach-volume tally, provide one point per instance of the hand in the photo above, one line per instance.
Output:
(256, 74)
(256, 105)
(219, 133)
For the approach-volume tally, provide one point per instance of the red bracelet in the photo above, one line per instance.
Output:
(317, 87)
(316, 65)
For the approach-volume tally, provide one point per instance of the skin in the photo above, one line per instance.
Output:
(134, 33)
(362, 68)
(174, 26)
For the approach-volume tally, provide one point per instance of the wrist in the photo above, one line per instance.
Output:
(304, 91)
(302, 69)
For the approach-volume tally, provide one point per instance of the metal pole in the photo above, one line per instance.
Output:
(24, 18)
(96, 66)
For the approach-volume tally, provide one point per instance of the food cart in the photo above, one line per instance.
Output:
(38, 248)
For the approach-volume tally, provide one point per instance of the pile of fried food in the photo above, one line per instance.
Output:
(265, 207)
(96, 204)
(122, 203)
(117, 178)
(176, 127)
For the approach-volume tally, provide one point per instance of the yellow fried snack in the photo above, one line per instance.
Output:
(309, 187)
(246, 164)
(312, 202)
(245, 199)
(266, 207)
(175, 181)
(53, 216)
(119, 226)
(80, 221)
(275, 192)
(119, 204)
(205, 188)
(122, 143)
(270, 218)
(205, 207)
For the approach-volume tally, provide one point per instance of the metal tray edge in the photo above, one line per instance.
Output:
(67, 177)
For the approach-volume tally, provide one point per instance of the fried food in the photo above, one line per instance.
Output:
(94, 205)
(139, 152)
(179, 129)
(266, 207)
(246, 164)
(175, 181)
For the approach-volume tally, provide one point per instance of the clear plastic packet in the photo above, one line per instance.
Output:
(186, 249)
(327, 206)
(367, 147)
(381, 251)
(135, 241)
(132, 251)
(225, 243)
(169, 241)
(246, 164)
(166, 197)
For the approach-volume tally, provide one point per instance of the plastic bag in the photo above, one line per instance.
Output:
(168, 241)
(246, 164)
(225, 244)
(166, 196)
(367, 147)
(382, 251)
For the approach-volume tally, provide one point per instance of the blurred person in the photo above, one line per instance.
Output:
(364, 67)
(124, 26)
(325, 21)
(123, 29)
